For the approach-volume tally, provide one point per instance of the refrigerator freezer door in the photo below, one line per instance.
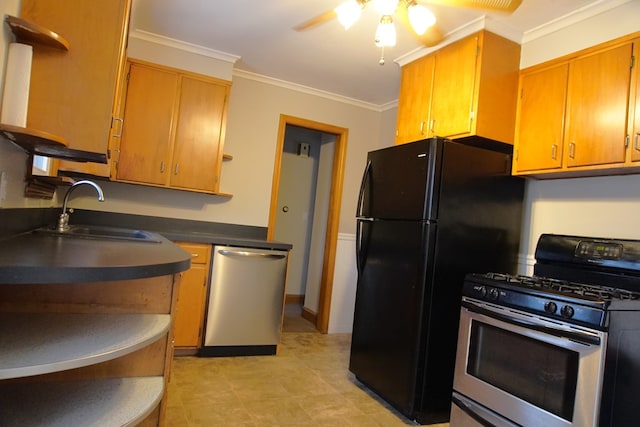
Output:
(389, 299)
(398, 182)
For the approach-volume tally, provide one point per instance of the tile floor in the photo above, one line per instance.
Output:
(306, 384)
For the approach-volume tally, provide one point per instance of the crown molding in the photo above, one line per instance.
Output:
(486, 23)
(185, 46)
(311, 91)
(574, 17)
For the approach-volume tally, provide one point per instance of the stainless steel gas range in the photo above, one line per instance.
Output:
(559, 348)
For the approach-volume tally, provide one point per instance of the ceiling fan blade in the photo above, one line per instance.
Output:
(431, 37)
(320, 19)
(490, 5)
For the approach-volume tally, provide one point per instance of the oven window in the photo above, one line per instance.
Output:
(537, 372)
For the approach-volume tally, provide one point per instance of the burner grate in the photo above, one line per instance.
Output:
(565, 287)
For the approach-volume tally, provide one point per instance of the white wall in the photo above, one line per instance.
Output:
(601, 206)
(254, 111)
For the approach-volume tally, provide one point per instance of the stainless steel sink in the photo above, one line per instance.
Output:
(102, 233)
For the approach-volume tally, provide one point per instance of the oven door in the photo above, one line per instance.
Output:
(531, 370)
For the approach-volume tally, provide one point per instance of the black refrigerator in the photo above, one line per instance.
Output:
(428, 213)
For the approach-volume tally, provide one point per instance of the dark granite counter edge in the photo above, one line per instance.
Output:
(24, 219)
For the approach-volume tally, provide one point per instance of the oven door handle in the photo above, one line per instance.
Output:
(561, 333)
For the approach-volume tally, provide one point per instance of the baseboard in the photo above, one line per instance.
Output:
(185, 351)
(294, 299)
(309, 315)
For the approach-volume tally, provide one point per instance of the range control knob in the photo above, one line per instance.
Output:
(483, 291)
(493, 294)
(550, 307)
(567, 311)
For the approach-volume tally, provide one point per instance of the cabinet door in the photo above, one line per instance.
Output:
(188, 321)
(414, 100)
(146, 132)
(598, 100)
(197, 151)
(540, 119)
(453, 88)
(635, 130)
(72, 94)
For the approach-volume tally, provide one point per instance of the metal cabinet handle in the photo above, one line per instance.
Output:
(554, 151)
(121, 120)
(636, 142)
(176, 169)
(422, 127)
(162, 166)
(572, 150)
(250, 254)
(432, 125)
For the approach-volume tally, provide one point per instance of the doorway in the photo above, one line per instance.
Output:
(326, 222)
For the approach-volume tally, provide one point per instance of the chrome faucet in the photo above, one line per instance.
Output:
(63, 219)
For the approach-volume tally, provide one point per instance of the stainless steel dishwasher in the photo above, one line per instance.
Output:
(245, 301)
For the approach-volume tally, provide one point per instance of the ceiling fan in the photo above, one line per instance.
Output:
(410, 13)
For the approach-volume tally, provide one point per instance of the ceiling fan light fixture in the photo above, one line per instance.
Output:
(348, 13)
(386, 32)
(420, 18)
(385, 7)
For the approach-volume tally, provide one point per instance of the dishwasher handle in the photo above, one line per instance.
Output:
(250, 254)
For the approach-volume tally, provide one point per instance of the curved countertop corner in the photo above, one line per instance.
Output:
(36, 258)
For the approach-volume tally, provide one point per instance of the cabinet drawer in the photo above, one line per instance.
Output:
(200, 253)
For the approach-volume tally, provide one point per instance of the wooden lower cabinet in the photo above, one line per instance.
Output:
(189, 319)
(96, 353)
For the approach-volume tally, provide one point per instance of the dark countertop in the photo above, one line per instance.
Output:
(37, 258)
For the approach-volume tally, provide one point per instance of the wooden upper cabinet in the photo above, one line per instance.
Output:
(540, 119)
(199, 133)
(173, 131)
(577, 114)
(597, 107)
(73, 94)
(453, 86)
(414, 100)
(635, 117)
(473, 91)
(146, 130)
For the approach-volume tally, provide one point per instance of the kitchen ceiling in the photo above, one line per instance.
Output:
(327, 57)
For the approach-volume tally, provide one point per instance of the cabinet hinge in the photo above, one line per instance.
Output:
(633, 61)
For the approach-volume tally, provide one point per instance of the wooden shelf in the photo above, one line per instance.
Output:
(31, 33)
(41, 343)
(106, 402)
(47, 144)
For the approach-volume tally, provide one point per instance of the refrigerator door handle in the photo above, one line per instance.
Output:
(359, 242)
(365, 176)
